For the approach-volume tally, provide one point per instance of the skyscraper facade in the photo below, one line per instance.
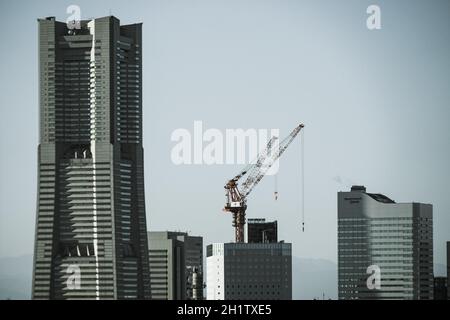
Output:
(167, 266)
(91, 239)
(193, 246)
(249, 271)
(385, 249)
(448, 270)
(176, 265)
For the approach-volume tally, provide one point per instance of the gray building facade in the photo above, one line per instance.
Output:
(176, 266)
(378, 237)
(194, 265)
(167, 266)
(262, 231)
(91, 238)
(249, 271)
(448, 270)
(440, 288)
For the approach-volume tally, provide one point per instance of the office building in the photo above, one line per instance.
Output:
(194, 266)
(91, 238)
(260, 231)
(385, 249)
(176, 266)
(167, 267)
(249, 271)
(448, 270)
(440, 288)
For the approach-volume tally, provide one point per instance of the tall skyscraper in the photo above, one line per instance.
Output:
(249, 271)
(176, 265)
(260, 231)
(448, 269)
(385, 249)
(91, 239)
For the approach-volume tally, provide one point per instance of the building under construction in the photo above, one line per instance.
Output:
(262, 231)
(239, 188)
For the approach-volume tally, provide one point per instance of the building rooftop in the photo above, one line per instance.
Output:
(376, 196)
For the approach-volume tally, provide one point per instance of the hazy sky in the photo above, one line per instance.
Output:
(375, 105)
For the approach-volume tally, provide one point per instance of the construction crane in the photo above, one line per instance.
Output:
(254, 172)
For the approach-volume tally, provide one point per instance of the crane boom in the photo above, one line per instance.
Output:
(237, 198)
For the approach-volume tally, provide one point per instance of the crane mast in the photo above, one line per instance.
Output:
(253, 173)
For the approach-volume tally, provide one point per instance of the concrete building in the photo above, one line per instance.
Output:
(260, 231)
(167, 266)
(249, 271)
(176, 266)
(91, 238)
(378, 237)
(440, 288)
(448, 269)
(194, 266)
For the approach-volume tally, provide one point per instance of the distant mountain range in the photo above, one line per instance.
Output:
(312, 278)
(317, 278)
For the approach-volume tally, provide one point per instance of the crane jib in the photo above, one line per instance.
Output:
(236, 198)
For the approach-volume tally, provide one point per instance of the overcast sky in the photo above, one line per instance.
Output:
(375, 105)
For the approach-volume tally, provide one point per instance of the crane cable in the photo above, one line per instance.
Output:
(302, 157)
(276, 186)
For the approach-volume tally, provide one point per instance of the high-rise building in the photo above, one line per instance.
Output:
(167, 266)
(260, 231)
(385, 249)
(91, 240)
(176, 266)
(448, 270)
(440, 288)
(194, 265)
(250, 271)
